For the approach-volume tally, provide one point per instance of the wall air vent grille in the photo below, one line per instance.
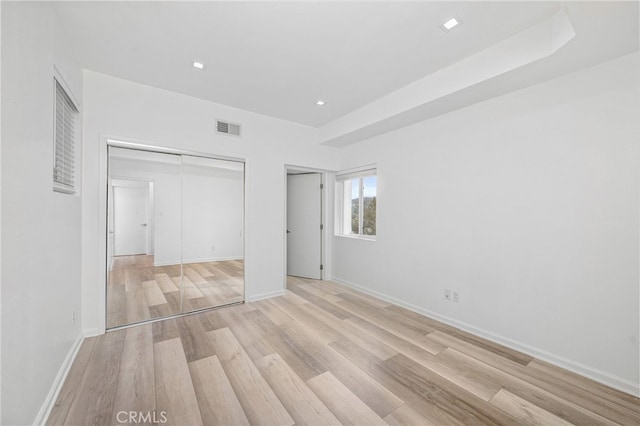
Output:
(227, 128)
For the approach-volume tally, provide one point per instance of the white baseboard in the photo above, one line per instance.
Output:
(268, 295)
(605, 378)
(203, 260)
(56, 387)
(92, 333)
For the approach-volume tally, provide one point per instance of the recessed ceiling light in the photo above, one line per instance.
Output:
(450, 24)
(198, 65)
(320, 103)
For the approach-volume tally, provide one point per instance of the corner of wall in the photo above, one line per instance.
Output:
(559, 361)
(58, 382)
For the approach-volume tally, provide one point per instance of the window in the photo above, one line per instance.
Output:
(64, 157)
(356, 203)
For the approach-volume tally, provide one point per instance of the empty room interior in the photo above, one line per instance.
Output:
(320, 212)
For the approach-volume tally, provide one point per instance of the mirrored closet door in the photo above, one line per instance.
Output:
(175, 234)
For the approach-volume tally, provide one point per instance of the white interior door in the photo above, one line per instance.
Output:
(304, 221)
(131, 214)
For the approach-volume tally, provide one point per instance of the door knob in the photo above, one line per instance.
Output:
(288, 232)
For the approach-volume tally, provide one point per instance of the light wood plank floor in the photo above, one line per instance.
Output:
(323, 354)
(139, 291)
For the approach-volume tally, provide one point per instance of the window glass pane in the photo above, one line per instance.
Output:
(369, 205)
(355, 205)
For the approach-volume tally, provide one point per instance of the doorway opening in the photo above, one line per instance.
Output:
(305, 226)
(131, 220)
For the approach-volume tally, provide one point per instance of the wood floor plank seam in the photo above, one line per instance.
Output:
(69, 389)
(217, 401)
(546, 400)
(605, 408)
(303, 405)
(94, 399)
(139, 291)
(321, 354)
(258, 400)
(613, 395)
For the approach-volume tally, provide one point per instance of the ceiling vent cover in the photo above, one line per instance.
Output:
(227, 128)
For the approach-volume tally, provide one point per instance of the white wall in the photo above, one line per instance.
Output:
(0, 212)
(213, 214)
(528, 205)
(41, 229)
(129, 111)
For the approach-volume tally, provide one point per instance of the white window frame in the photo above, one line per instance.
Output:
(343, 203)
(70, 136)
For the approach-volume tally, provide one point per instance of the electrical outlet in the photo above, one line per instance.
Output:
(447, 294)
(456, 296)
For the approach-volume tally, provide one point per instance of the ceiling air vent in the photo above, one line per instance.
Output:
(227, 128)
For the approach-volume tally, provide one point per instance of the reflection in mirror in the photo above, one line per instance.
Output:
(144, 270)
(175, 235)
(212, 233)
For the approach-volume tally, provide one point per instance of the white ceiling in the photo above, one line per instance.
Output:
(278, 58)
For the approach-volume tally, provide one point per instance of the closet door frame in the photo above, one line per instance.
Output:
(103, 255)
